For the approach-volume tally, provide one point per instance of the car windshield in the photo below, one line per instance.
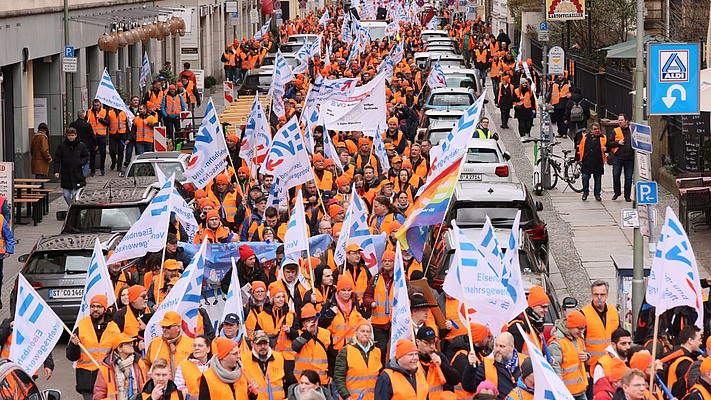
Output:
(500, 214)
(102, 219)
(290, 47)
(478, 155)
(459, 81)
(437, 136)
(258, 80)
(450, 100)
(452, 63)
(58, 262)
(148, 169)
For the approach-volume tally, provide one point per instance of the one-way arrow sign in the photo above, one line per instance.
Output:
(669, 99)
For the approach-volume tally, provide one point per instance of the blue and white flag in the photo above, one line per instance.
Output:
(387, 67)
(511, 270)
(379, 150)
(329, 149)
(310, 118)
(674, 279)
(209, 156)
(392, 29)
(355, 223)
(282, 71)
(327, 89)
(98, 281)
(303, 56)
(327, 56)
(234, 303)
(257, 137)
(296, 238)
(324, 19)
(436, 77)
(145, 71)
(373, 248)
(36, 330)
(183, 212)
(287, 159)
(106, 93)
(346, 28)
(263, 30)
(397, 53)
(149, 233)
(432, 25)
(401, 327)
(519, 56)
(315, 48)
(548, 383)
(183, 298)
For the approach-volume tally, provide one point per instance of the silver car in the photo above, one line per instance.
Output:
(485, 161)
(169, 162)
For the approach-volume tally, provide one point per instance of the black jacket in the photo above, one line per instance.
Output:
(591, 159)
(624, 152)
(85, 378)
(384, 386)
(244, 278)
(85, 132)
(577, 98)
(506, 97)
(68, 161)
(695, 394)
(471, 378)
(169, 389)
(451, 374)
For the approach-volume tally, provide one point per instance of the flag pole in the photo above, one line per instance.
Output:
(468, 324)
(81, 346)
(655, 337)
(162, 259)
(530, 328)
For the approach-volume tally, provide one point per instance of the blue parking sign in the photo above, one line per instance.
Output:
(673, 79)
(647, 193)
(68, 51)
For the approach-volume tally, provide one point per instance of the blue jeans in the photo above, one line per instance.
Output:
(69, 195)
(597, 178)
(142, 147)
(40, 176)
(617, 165)
(85, 169)
(129, 153)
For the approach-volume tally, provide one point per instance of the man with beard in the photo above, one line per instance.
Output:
(504, 360)
(262, 358)
(621, 343)
(538, 303)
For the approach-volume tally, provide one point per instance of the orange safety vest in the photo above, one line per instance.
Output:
(361, 283)
(705, 394)
(272, 326)
(581, 152)
(402, 388)
(161, 349)
(217, 388)
(458, 389)
(93, 120)
(383, 298)
(144, 132)
(275, 371)
(572, 369)
(519, 394)
(492, 374)
(228, 204)
(361, 375)
(480, 55)
(495, 70)
(559, 93)
(313, 355)
(2, 238)
(451, 312)
(117, 122)
(191, 375)
(434, 381)
(216, 236)
(156, 98)
(231, 59)
(619, 135)
(384, 223)
(344, 327)
(120, 284)
(173, 104)
(325, 183)
(98, 348)
(524, 100)
(189, 93)
(597, 335)
(672, 377)
(605, 362)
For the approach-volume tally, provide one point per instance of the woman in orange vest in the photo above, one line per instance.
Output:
(122, 373)
(524, 108)
(323, 290)
(384, 214)
(279, 322)
(189, 371)
(341, 315)
(255, 305)
(403, 184)
(358, 364)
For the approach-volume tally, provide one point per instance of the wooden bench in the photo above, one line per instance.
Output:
(33, 209)
(45, 199)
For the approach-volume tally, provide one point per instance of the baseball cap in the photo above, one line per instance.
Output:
(426, 333)
(231, 318)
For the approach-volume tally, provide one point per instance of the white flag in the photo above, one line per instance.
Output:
(263, 30)
(324, 19)
(257, 136)
(355, 224)
(97, 282)
(287, 159)
(233, 302)
(145, 71)
(36, 330)
(183, 212)
(282, 71)
(392, 29)
(149, 232)
(362, 110)
(674, 279)
(401, 327)
(511, 272)
(327, 89)
(210, 152)
(549, 386)
(106, 93)
(379, 150)
(519, 56)
(329, 149)
(183, 298)
(436, 77)
(296, 238)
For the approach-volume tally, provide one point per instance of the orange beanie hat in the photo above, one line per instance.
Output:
(641, 360)
(576, 319)
(537, 296)
(224, 346)
(404, 347)
(135, 291)
(344, 282)
(100, 299)
(479, 332)
(275, 288)
(617, 370)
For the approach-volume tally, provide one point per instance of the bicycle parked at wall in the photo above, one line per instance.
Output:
(556, 167)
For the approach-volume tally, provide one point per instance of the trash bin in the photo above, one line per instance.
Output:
(623, 273)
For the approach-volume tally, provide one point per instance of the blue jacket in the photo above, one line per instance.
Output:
(7, 235)
(165, 112)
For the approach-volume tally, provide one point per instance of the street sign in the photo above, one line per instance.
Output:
(673, 79)
(641, 137)
(630, 220)
(68, 51)
(231, 6)
(647, 193)
(544, 36)
(543, 26)
(556, 61)
(69, 64)
(234, 21)
(254, 14)
(643, 166)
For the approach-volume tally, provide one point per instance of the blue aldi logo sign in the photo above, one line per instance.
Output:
(674, 65)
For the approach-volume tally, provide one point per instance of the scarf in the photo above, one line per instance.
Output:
(512, 364)
(345, 307)
(222, 373)
(125, 381)
(171, 351)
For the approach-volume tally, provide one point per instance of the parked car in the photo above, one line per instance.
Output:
(258, 79)
(445, 60)
(437, 130)
(289, 47)
(429, 116)
(485, 161)
(300, 38)
(169, 162)
(106, 210)
(426, 34)
(146, 181)
(447, 41)
(441, 49)
(472, 202)
(16, 384)
(56, 267)
(450, 98)
(270, 59)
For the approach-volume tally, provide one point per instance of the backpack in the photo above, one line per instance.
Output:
(577, 114)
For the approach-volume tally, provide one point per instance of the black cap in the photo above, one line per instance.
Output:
(526, 368)
(419, 300)
(426, 333)
(261, 199)
(231, 318)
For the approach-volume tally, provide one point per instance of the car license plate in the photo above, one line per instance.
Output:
(471, 177)
(65, 293)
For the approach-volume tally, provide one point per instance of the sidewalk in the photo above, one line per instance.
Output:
(584, 234)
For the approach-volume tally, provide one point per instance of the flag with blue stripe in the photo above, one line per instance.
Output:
(401, 326)
(148, 234)
(107, 94)
(257, 136)
(145, 71)
(263, 30)
(183, 298)
(379, 150)
(234, 303)
(296, 238)
(355, 224)
(324, 19)
(97, 282)
(209, 156)
(180, 208)
(36, 329)
(549, 386)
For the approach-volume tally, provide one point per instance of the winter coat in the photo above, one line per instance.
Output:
(85, 133)
(560, 331)
(603, 390)
(41, 157)
(577, 98)
(506, 97)
(591, 159)
(68, 161)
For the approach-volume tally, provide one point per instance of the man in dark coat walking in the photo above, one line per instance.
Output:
(86, 134)
(591, 155)
(69, 160)
(577, 124)
(505, 100)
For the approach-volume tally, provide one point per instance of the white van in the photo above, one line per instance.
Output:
(375, 28)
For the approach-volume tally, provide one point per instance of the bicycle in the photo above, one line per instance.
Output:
(571, 172)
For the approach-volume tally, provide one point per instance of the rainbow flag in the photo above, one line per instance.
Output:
(427, 210)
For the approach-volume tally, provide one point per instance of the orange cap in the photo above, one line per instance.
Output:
(389, 255)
